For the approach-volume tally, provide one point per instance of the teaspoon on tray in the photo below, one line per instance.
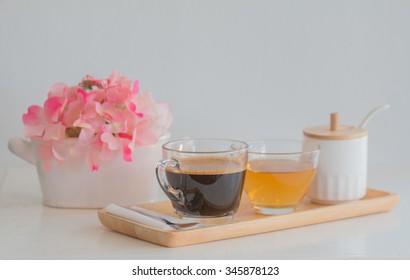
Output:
(150, 218)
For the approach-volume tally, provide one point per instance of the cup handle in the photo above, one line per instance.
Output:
(172, 193)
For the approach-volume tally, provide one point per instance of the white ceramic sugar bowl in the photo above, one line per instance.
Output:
(342, 170)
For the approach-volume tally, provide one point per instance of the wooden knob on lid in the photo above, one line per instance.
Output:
(334, 121)
(335, 131)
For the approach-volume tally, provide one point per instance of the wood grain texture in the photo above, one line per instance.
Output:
(247, 222)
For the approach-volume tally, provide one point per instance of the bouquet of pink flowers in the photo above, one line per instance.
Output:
(97, 119)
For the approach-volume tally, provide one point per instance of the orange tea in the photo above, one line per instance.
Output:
(277, 183)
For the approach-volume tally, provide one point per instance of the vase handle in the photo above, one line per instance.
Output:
(23, 149)
(172, 193)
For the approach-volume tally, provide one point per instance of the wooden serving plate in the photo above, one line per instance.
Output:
(247, 222)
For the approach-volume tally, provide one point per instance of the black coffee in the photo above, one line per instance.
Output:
(210, 187)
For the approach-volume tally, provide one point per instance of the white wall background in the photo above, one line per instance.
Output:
(237, 69)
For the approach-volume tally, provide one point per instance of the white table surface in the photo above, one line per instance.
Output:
(29, 230)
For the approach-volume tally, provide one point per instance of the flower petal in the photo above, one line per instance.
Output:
(113, 142)
(57, 155)
(34, 130)
(117, 79)
(86, 135)
(131, 145)
(72, 112)
(34, 123)
(126, 153)
(146, 137)
(91, 161)
(52, 108)
(54, 132)
(58, 90)
(34, 115)
(135, 87)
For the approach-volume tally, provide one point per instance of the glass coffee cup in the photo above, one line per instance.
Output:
(279, 174)
(203, 178)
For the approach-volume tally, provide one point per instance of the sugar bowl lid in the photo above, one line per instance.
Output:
(335, 131)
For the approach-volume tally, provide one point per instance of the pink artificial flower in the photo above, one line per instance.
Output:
(52, 108)
(89, 82)
(127, 153)
(50, 135)
(89, 147)
(47, 151)
(34, 123)
(38, 123)
(156, 121)
(58, 90)
(54, 132)
(117, 80)
(102, 117)
(112, 141)
(73, 111)
(135, 87)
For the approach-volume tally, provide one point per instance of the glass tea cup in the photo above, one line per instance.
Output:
(203, 178)
(279, 174)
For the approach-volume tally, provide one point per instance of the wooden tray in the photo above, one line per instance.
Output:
(247, 222)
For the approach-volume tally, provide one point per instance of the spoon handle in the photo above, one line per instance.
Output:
(370, 115)
(136, 217)
(154, 214)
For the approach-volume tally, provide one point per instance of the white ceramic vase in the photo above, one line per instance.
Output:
(73, 185)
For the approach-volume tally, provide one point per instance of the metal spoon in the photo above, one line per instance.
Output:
(176, 223)
(152, 220)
